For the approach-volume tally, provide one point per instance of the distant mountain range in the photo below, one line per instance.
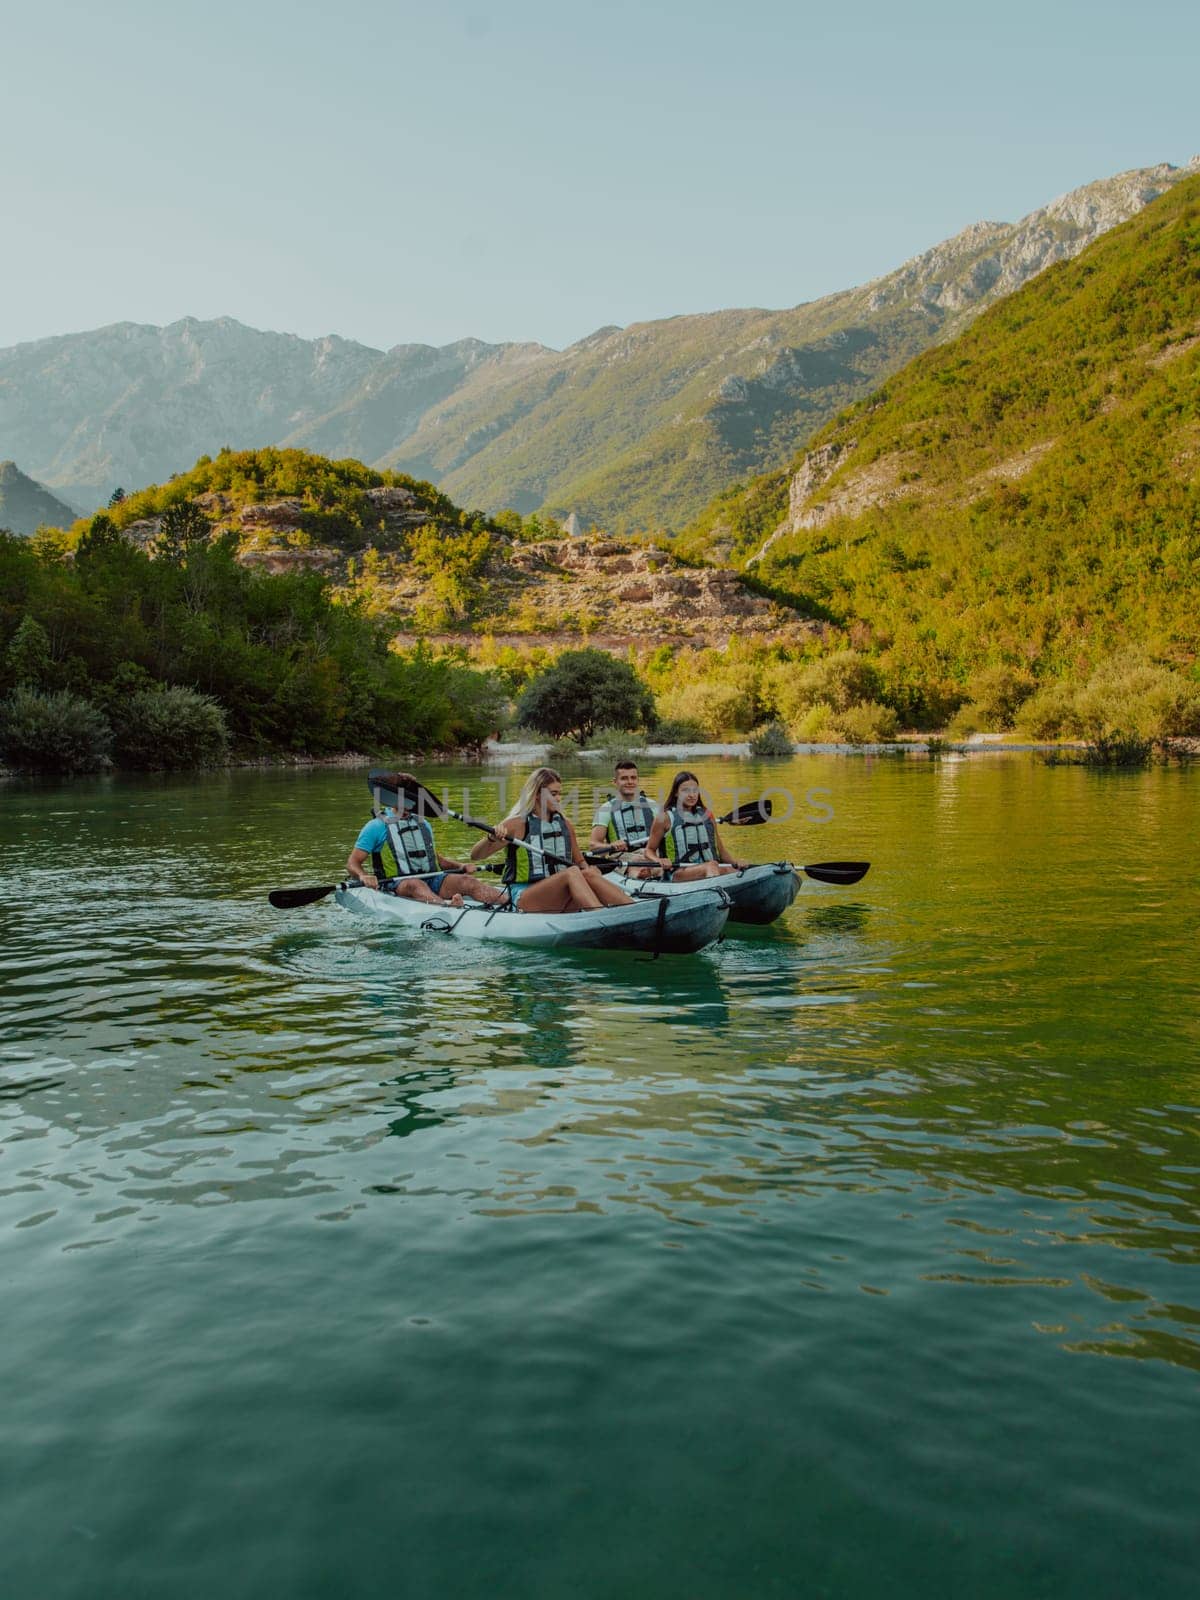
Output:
(26, 505)
(635, 426)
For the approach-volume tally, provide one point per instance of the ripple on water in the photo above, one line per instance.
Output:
(839, 1249)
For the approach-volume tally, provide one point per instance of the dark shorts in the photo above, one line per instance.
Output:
(435, 883)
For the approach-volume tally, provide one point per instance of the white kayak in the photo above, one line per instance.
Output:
(664, 923)
(756, 894)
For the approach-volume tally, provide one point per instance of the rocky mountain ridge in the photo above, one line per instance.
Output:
(629, 426)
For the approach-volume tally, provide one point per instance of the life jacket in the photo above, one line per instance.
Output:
(690, 836)
(520, 866)
(408, 849)
(630, 821)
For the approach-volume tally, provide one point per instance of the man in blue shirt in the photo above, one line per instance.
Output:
(395, 852)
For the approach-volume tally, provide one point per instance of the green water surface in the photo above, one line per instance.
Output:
(854, 1257)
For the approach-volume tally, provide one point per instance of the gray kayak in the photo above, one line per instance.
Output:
(669, 923)
(757, 894)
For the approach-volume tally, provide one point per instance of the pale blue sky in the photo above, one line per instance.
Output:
(394, 172)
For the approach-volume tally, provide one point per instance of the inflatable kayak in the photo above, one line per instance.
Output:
(672, 924)
(756, 894)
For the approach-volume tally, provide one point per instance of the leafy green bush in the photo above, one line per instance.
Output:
(59, 732)
(1119, 749)
(1049, 714)
(866, 723)
(562, 749)
(996, 695)
(170, 730)
(582, 691)
(839, 681)
(723, 709)
(817, 725)
(677, 730)
(772, 739)
(1128, 696)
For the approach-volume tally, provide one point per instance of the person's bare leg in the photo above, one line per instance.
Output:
(607, 893)
(564, 891)
(548, 894)
(417, 889)
(704, 869)
(490, 894)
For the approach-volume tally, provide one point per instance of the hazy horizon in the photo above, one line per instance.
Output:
(401, 177)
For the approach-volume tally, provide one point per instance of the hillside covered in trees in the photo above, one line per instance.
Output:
(1027, 496)
(143, 631)
(25, 505)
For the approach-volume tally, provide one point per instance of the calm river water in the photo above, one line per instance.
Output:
(857, 1256)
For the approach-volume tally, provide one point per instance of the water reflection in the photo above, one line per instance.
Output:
(961, 1036)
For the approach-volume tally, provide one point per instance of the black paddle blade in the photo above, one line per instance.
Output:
(419, 798)
(747, 814)
(837, 871)
(289, 899)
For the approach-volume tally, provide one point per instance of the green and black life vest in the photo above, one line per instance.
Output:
(630, 821)
(520, 866)
(690, 836)
(408, 849)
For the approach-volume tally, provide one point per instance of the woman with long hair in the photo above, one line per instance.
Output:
(553, 876)
(684, 835)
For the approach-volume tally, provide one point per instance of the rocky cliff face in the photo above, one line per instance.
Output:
(640, 425)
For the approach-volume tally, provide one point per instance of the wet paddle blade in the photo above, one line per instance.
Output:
(289, 899)
(747, 815)
(837, 871)
(419, 798)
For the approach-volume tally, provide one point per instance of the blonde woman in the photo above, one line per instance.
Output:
(558, 879)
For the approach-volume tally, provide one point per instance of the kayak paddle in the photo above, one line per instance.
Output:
(427, 803)
(747, 815)
(288, 899)
(837, 871)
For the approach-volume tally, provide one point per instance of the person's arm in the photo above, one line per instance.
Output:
(658, 829)
(448, 864)
(600, 826)
(575, 852)
(488, 843)
(354, 862)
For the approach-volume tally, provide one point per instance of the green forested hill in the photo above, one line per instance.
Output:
(26, 505)
(1027, 494)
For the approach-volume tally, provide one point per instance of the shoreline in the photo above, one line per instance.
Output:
(496, 753)
(740, 749)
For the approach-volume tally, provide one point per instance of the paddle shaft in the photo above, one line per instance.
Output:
(424, 800)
